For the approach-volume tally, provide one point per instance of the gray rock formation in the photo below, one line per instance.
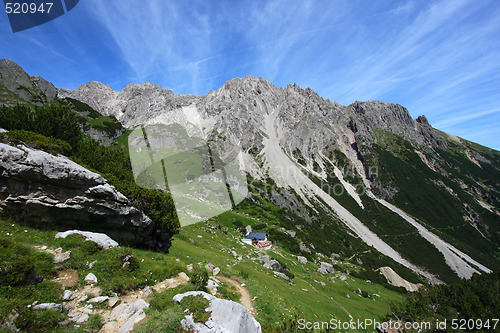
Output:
(273, 265)
(125, 316)
(52, 189)
(134, 105)
(225, 316)
(282, 275)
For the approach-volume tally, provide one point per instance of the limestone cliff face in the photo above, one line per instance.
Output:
(55, 190)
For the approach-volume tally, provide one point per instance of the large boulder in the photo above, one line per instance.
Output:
(225, 316)
(48, 189)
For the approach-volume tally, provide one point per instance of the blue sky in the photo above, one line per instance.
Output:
(438, 58)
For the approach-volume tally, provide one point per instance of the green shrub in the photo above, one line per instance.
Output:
(238, 224)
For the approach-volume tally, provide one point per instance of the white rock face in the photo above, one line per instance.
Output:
(102, 240)
(226, 316)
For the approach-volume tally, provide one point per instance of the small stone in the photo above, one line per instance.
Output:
(91, 265)
(216, 271)
(190, 267)
(91, 278)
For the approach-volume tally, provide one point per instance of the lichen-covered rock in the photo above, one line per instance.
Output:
(49, 189)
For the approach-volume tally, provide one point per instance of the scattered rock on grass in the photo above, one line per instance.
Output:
(48, 306)
(100, 239)
(147, 292)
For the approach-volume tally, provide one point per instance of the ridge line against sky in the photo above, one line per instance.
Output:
(439, 58)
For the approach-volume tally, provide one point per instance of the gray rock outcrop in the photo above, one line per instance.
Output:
(38, 186)
(325, 268)
(225, 316)
(303, 247)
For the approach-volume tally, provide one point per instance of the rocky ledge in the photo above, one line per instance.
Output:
(42, 188)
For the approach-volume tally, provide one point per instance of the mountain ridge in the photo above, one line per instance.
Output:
(398, 175)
